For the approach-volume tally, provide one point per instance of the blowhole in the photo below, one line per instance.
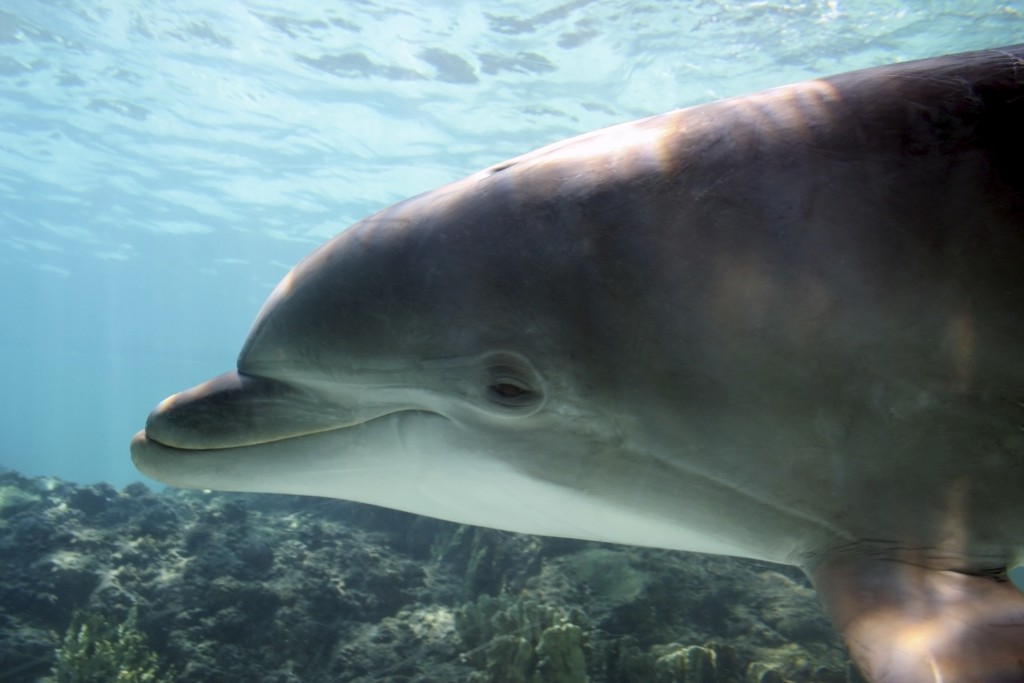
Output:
(498, 168)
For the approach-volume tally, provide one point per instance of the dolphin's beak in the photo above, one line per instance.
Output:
(240, 432)
(243, 432)
(236, 409)
(210, 424)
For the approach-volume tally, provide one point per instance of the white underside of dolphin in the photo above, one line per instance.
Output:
(786, 326)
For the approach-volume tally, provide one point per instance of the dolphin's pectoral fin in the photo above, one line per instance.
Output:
(907, 623)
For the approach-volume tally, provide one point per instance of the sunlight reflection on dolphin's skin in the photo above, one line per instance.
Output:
(937, 626)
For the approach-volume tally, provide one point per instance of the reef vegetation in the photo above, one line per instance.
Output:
(137, 586)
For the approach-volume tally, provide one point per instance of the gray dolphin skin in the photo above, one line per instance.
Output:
(786, 326)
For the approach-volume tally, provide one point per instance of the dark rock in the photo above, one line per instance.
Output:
(92, 500)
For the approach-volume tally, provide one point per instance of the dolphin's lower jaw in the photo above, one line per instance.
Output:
(328, 462)
(210, 468)
(413, 461)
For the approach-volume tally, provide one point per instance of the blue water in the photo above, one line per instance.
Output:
(163, 164)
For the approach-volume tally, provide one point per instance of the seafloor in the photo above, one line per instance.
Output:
(281, 589)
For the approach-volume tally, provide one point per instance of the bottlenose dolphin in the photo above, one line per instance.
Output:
(787, 326)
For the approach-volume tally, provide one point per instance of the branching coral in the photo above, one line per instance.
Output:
(95, 651)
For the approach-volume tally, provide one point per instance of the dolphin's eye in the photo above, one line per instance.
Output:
(511, 382)
(510, 393)
(508, 390)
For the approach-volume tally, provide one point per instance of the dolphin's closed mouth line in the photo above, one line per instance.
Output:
(285, 438)
(244, 444)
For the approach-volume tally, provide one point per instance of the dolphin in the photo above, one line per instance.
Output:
(787, 326)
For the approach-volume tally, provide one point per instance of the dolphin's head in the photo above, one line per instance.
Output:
(499, 352)
(434, 358)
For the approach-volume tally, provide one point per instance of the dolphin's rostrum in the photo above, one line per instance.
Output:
(787, 326)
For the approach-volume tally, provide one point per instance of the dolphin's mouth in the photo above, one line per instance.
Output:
(235, 410)
(223, 432)
(179, 466)
(272, 466)
(142, 440)
(222, 419)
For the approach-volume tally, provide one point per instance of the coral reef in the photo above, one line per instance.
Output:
(522, 641)
(95, 651)
(282, 589)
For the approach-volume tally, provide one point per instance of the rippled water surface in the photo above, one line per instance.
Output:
(163, 164)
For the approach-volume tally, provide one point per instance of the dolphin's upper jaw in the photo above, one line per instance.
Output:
(237, 409)
(231, 410)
